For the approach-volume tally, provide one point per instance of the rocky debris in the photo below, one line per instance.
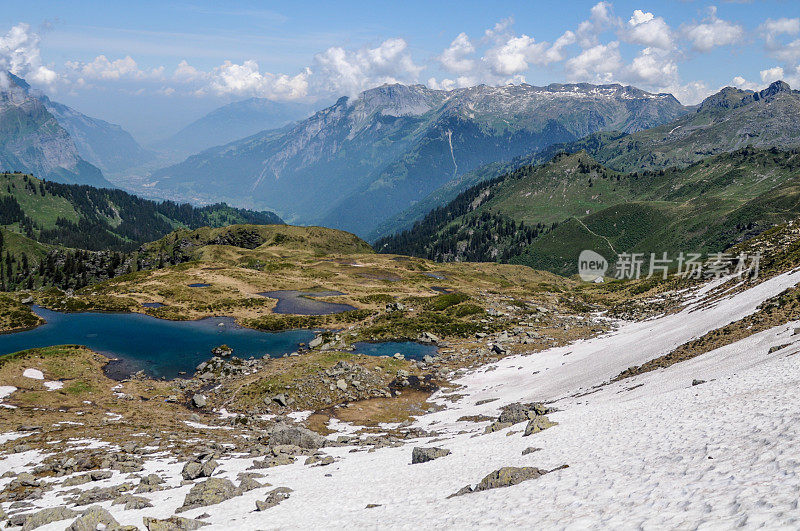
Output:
(427, 337)
(423, 455)
(38, 519)
(499, 349)
(173, 523)
(395, 307)
(270, 462)
(505, 477)
(274, 497)
(223, 351)
(320, 460)
(132, 502)
(199, 401)
(202, 467)
(282, 434)
(100, 494)
(210, 492)
(698, 382)
(530, 450)
(373, 505)
(95, 518)
(516, 413)
(94, 475)
(248, 483)
(314, 343)
(280, 400)
(537, 424)
(150, 483)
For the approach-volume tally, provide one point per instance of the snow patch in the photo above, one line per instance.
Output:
(33, 374)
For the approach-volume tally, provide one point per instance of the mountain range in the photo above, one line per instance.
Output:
(233, 121)
(726, 121)
(358, 162)
(713, 178)
(58, 143)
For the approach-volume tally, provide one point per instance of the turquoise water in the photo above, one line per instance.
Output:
(409, 349)
(299, 303)
(157, 346)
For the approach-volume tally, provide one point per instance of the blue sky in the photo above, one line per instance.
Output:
(154, 66)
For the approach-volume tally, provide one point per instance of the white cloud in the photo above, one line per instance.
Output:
(185, 72)
(598, 64)
(653, 67)
(19, 54)
(713, 32)
(772, 74)
(648, 30)
(247, 80)
(601, 18)
(772, 30)
(102, 68)
(342, 71)
(455, 57)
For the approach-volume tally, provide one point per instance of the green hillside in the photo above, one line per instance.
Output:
(574, 203)
(102, 219)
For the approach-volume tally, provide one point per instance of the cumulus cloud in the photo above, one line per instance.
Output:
(601, 18)
(713, 32)
(339, 70)
(247, 80)
(774, 32)
(455, 58)
(772, 74)
(648, 30)
(19, 54)
(653, 67)
(102, 68)
(598, 64)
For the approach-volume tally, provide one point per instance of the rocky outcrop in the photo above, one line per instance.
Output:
(423, 455)
(174, 523)
(505, 477)
(95, 518)
(210, 492)
(199, 468)
(43, 517)
(282, 434)
(274, 497)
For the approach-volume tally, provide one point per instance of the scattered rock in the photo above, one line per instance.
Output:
(273, 498)
(280, 400)
(372, 505)
(530, 450)
(210, 492)
(423, 455)
(698, 382)
(506, 477)
(95, 518)
(304, 438)
(199, 401)
(199, 469)
(45, 516)
(538, 424)
(174, 523)
(132, 502)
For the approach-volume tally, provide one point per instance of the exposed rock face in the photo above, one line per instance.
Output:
(95, 518)
(174, 523)
(538, 424)
(273, 498)
(423, 455)
(295, 435)
(505, 477)
(32, 140)
(396, 134)
(199, 401)
(210, 492)
(199, 469)
(46, 516)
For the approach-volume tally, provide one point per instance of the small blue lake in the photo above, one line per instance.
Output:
(157, 346)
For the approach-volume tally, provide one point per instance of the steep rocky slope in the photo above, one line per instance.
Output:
(361, 160)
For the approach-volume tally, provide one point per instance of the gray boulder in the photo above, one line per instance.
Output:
(210, 492)
(132, 502)
(538, 424)
(199, 469)
(95, 518)
(274, 497)
(47, 516)
(174, 523)
(423, 455)
(199, 400)
(296, 435)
